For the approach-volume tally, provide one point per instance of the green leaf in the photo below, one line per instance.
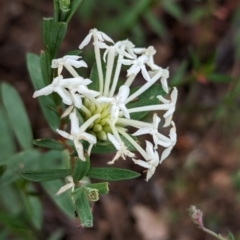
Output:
(220, 78)
(107, 146)
(3, 168)
(49, 143)
(83, 209)
(33, 63)
(45, 62)
(63, 201)
(45, 175)
(147, 98)
(17, 115)
(111, 174)
(172, 8)
(101, 187)
(53, 35)
(158, 26)
(73, 8)
(80, 169)
(94, 85)
(7, 146)
(178, 78)
(230, 236)
(18, 162)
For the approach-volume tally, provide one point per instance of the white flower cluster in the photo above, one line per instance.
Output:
(105, 112)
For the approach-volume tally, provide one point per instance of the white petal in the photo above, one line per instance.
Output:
(166, 153)
(141, 131)
(76, 64)
(124, 92)
(106, 37)
(64, 188)
(145, 73)
(65, 134)
(64, 94)
(150, 173)
(125, 111)
(79, 149)
(77, 100)
(74, 123)
(67, 111)
(114, 112)
(142, 163)
(44, 91)
(85, 41)
(134, 69)
(89, 137)
(114, 141)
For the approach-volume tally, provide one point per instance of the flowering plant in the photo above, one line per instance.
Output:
(101, 110)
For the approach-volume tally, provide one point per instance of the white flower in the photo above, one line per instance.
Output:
(158, 138)
(151, 162)
(137, 66)
(55, 86)
(173, 138)
(98, 36)
(78, 85)
(67, 186)
(172, 105)
(122, 150)
(67, 61)
(117, 102)
(77, 134)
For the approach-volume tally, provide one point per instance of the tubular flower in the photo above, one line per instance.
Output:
(102, 109)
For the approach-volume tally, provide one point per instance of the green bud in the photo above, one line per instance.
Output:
(64, 5)
(93, 194)
(107, 129)
(102, 136)
(86, 102)
(92, 108)
(97, 128)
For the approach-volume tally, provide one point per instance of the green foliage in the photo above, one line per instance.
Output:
(33, 64)
(101, 187)
(17, 116)
(53, 35)
(111, 173)
(45, 175)
(230, 236)
(80, 169)
(83, 208)
(49, 143)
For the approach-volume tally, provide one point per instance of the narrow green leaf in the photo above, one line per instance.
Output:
(33, 63)
(7, 146)
(73, 8)
(158, 26)
(220, 78)
(94, 77)
(147, 98)
(111, 174)
(17, 115)
(101, 187)
(53, 35)
(83, 209)
(178, 78)
(45, 62)
(172, 8)
(80, 169)
(3, 168)
(19, 162)
(45, 175)
(49, 143)
(74, 52)
(230, 236)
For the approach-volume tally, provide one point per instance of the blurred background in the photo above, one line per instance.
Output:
(199, 41)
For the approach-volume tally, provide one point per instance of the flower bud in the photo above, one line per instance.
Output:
(93, 194)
